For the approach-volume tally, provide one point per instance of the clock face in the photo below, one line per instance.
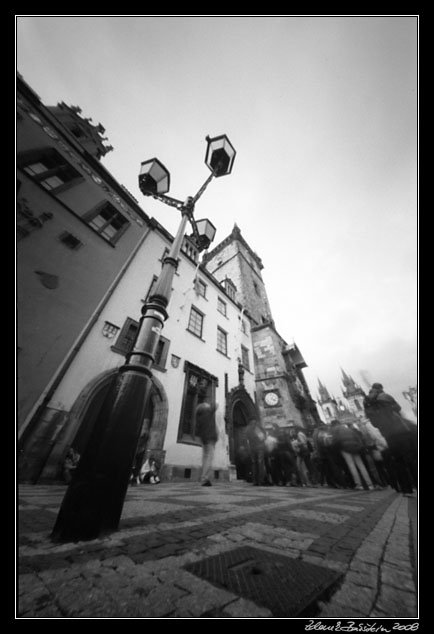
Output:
(271, 398)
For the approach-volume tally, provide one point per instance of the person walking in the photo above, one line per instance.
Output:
(206, 430)
(300, 449)
(255, 436)
(329, 459)
(349, 441)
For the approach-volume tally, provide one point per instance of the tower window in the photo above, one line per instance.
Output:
(230, 288)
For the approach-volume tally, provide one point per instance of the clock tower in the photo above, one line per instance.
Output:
(282, 394)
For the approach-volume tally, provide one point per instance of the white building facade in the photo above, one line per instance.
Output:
(205, 345)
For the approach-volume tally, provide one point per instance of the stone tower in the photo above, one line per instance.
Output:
(282, 394)
(234, 263)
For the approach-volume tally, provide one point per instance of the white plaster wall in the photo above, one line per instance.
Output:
(95, 355)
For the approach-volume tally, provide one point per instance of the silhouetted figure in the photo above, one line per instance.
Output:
(401, 457)
(69, 466)
(255, 436)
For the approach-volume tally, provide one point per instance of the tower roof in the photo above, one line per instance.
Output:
(351, 388)
(232, 237)
(323, 393)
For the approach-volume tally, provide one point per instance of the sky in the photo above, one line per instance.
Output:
(323, 114)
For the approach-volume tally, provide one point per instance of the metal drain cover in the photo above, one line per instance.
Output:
(287, 587)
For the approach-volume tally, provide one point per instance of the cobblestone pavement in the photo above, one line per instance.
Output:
(140, 571)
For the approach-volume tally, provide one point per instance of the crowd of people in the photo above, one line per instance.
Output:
(377, 452)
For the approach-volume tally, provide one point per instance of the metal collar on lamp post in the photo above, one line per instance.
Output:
(93, 502)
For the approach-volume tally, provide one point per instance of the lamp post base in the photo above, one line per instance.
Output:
(93, 502)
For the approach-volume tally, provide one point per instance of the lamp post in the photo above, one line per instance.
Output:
(93, 502)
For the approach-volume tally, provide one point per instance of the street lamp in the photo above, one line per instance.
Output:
(93, 502)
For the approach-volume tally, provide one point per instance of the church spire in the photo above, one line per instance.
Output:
(324, 395)
(350, 386)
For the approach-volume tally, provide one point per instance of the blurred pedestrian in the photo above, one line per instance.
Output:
(300, 448)
(384, 412)
(255, 436)
(329, 458)
(206, 430)
(349, 441)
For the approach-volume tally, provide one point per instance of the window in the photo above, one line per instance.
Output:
(256, 287)
(200, 287)
(49, 168)
(107, 221)
(243, 327)
(245, 358)
(221, 306)
(222, 341)
(127, 338)
(161, 353)
(190, 250)
(358, 406)
(230, 288)
(197, 381)
(151, 288)
(195, 322)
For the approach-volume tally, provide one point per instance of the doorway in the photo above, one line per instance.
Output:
(241, 451)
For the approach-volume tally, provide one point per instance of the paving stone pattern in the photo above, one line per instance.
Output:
(144, 570)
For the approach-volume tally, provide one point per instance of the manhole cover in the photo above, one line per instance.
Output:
(287, 587)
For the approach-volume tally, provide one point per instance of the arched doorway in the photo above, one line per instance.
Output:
(241, 451)
(240, 409)
(83, 414)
